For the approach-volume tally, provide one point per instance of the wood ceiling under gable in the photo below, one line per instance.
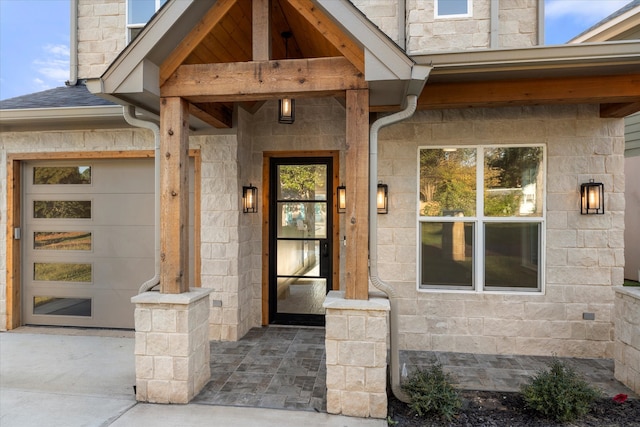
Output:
(224, 36)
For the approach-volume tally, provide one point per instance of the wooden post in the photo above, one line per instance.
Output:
(174, 195)
(261, 36)
(357, 183)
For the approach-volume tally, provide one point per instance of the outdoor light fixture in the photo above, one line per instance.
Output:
(286, 111)
(286, 106)
(342, 199)
(249, 199)
(382, 198)
(592, 198)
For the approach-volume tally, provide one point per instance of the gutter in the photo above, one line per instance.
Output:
(419, 76)
(129, 113)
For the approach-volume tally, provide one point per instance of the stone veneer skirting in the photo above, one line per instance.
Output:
(627, 332)
(172, 345)
(356, 351)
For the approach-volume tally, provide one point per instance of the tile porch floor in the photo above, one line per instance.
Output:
(285, 368)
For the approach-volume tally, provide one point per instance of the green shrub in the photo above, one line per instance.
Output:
(559, 393)
(431, 393)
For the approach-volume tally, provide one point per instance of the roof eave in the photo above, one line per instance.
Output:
(61, 118)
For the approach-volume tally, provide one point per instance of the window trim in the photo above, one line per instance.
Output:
(479, 221)
(138, 25)
(437, 15)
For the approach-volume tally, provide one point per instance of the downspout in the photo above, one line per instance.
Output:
(412, 102)
(494, 18)
(129, 113)
(73, 45)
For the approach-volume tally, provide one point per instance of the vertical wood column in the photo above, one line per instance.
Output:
(261, 36)
(174, 195)
(357, 183)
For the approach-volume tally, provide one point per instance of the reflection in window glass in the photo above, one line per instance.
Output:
(53, 175)
(447, 254)
(62, 209)
(62, 272)
(62, 306)
(298, 258)
(448, 182)
(302, 220)
(511, 255)
(302, 182)
(62, 240)
(513, 181)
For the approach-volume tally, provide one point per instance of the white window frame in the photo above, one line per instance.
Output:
(137, 25)
(479, 220)
(436, 11)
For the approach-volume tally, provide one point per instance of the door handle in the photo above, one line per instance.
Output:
(325, 249)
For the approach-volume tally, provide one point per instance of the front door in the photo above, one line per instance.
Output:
(300, 239)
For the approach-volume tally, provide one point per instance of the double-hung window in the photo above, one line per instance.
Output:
(452, 8)
(481, 218)
(139, 12)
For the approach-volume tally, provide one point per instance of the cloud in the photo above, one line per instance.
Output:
(582, 10)
(53, 66)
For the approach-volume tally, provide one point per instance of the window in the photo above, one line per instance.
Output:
(139, 12)
(452, 8)
(481, 218)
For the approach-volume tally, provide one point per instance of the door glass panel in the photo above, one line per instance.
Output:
(302, 182)
(302, 220)
(62, 272)
(298, 258)
(62, 306)
(62, 175)
(62, 209)
(301, 295)
(62, 240)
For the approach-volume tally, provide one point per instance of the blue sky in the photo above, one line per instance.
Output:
(34, 38)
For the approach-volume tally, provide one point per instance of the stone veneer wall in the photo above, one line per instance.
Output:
(518, 26)
(584, 253)
(356, 346)
(627, 348)
(101, 35)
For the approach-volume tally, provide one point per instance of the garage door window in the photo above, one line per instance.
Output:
(61, 175)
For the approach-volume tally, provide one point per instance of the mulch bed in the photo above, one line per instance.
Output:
(496, 409)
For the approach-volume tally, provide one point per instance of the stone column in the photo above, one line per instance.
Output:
(356, 346)
(172, 345)
(627, 332)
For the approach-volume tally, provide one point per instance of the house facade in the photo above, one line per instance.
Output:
(480, 136)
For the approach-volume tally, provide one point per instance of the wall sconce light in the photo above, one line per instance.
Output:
(286, 111)
(249, 199)
(342, 199)
(592, 198)
(382, 198)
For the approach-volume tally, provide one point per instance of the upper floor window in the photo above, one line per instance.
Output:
(481, 218)
(138, 14)
(452, 8)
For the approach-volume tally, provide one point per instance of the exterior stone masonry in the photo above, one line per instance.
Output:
(584, 254)
(356, 351)
(627, 351)
(172, 345)
(102, 33)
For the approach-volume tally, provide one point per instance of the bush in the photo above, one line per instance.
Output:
(431, 393)
(559, 393)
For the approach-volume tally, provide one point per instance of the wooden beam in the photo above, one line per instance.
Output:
(14, 215)
(174, 195)
(217, 115)
(241, 81)
(330, 31)
(193, 39)
(357, 186)
(565, 90)
(261, 34)
(610, 111)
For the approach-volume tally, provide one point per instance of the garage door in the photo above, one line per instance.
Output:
(88, 239)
